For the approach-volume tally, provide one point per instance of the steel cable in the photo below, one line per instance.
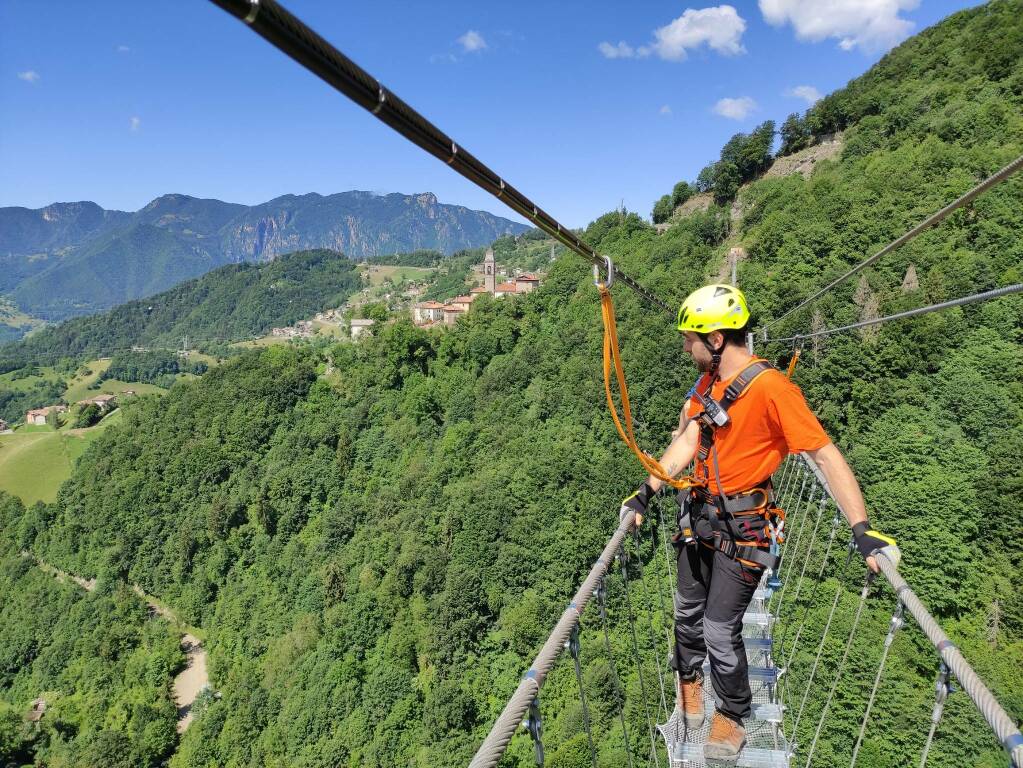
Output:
(997, 293)
(893, 626)
(795, 545)
(802, 572)
(941, 692)
(841, 667)
(635, 651)
(645, 598)
(930, 221)
(616, 684)
(820, 646)
(667, 618)
(290, 35)
(574, 648)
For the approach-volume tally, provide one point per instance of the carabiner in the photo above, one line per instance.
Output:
(610, 268)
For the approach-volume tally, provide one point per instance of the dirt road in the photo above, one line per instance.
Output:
(191, 680)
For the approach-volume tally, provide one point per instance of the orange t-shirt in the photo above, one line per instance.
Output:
(769, 420)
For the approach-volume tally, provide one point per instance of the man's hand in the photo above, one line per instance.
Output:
(869, 541)
(637, 503)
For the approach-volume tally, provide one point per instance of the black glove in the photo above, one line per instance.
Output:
(637, 502)
(869, 541)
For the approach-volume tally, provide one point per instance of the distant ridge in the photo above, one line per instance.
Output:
(76, 258)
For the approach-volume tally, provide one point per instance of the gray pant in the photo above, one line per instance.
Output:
(712, 594)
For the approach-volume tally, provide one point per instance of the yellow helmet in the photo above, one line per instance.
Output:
(713, 308)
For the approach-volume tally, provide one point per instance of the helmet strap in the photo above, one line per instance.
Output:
(715, 355)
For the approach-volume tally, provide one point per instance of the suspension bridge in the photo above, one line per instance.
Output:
(794, 674)
(795, 671)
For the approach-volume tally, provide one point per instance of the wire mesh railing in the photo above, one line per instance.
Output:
(818, 644)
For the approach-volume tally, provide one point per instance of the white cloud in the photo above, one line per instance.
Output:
(870, 25)
(472, 41)
(735, 109)
(621, 51)
(720, 28)
(29, 76)
(807, 93)
(665, 110)
(134, 123)
(123, 49)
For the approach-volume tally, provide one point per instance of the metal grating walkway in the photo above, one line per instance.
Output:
(765, 743)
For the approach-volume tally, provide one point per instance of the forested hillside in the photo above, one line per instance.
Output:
(235, 302)
(377, 537)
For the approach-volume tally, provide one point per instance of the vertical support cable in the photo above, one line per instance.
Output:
(820, 645)
(794, 543)
(942, 688)
(841, 666)
(835, 521)
(806, 561)
(667, 617)
(645, 598)
(601, 594)
(622, 559)
(893, 626)
(572, 644)
(534, 724)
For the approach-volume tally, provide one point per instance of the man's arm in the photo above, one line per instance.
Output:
(842, 482)
(674, 460)
(679, 454)
(844, 487)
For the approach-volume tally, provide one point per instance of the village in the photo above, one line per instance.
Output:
(425, 314)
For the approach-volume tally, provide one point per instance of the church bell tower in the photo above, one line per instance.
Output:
(489, 272)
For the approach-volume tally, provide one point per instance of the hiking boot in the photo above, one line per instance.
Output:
(726, 739)
(690, 701)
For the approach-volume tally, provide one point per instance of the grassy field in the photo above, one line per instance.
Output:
(398, 275)
(33, 464)
(78, 384)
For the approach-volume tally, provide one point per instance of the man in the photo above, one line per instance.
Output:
(743, 419)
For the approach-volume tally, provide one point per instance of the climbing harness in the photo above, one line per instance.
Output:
(748, 522)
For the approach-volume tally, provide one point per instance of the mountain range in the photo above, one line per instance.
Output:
(77, 258)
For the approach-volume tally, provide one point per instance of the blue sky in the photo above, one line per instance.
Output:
(581, 105)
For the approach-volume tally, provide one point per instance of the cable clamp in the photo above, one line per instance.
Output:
(381, 99)
(253, 11)
(534, 724)
(454, 151)
(609, 267)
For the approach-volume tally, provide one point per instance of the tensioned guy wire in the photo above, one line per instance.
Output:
(996, 293)
(927, 223)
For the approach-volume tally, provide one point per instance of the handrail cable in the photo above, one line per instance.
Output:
(1003, 726)
(930, 221)
(508, 721)
(287, 33)
(996, 293)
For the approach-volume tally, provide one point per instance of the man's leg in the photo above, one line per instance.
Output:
(694, 565)
(732, 585)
